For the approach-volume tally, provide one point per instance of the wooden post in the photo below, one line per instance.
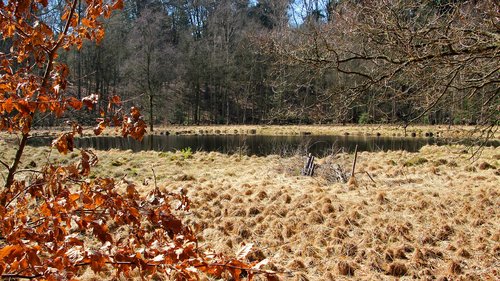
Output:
(308, 169)
(352, 180)
(354, 162)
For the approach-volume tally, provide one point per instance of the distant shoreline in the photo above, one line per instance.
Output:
(443, 131)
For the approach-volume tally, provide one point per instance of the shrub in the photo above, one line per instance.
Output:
(415, 161)
(187, 153)
(364, 118)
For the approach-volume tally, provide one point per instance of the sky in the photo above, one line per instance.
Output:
(299, 9)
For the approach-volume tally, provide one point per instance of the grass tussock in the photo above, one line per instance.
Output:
(399, 221)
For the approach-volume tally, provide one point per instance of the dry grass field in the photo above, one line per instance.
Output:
(414, 216)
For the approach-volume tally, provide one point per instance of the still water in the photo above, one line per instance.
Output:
(254, 144)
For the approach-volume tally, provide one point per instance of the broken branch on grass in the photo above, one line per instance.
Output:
(370, 177)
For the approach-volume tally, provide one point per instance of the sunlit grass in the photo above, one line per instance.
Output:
(418, 218)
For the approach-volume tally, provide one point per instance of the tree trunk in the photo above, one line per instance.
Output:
(150, 89)
(13, 167)
(151, 121)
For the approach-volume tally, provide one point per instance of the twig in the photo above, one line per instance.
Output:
(18, 276)
(370, 177)
(19, 193)
(28, 170)
(253, 270)
(154, 177)
(5, 164)
(355, 159)
(17, 159)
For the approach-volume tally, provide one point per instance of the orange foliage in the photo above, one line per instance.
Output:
(58, 222)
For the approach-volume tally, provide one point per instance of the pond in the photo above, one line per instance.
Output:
(254, 144)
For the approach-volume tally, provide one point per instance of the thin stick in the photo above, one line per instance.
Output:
(28, 170)
(154, 176)
(355, 158)
(370, 177)
(5, 164)
(17, 159)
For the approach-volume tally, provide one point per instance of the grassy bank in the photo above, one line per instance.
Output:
(358, 130)
(417, 215)
(355, 130)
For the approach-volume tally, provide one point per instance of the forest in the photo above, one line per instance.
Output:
(292, 62)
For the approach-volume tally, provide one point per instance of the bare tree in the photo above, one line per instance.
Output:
(152, 58)
(420, 54)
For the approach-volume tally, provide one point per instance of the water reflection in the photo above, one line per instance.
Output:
(254, 144)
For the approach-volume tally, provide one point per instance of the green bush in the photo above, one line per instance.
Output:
(364, 118)
(415, 161)
(186, 152)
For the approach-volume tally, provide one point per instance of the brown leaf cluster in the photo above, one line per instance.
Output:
(31, 80)
(51, 227)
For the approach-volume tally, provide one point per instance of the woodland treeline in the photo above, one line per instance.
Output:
(300, 62)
